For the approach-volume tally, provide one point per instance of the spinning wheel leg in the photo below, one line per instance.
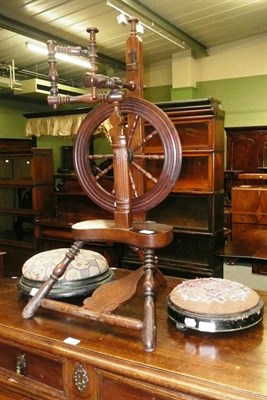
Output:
(149, 323)
(45, 289)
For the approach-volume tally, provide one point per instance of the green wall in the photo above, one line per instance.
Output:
(244, 100)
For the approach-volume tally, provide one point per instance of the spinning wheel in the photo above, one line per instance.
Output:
(170, 160)
(135, 188)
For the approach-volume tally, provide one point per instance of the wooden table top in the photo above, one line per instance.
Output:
(215, 366)
(252, 244)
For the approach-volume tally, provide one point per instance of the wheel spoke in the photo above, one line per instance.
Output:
(99, 156)
(132, 129)
(145, 173)
(132, 183)
(146, 140)
(150, 156)
(103, 172)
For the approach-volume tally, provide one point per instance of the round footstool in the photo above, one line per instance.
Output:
(84, 274)
(214, 305)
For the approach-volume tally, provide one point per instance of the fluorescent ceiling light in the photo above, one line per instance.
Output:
(122, 20)
(110, 4)
(63, 57)
(140, 28)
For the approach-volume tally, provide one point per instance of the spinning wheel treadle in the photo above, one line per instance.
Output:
(163, 129)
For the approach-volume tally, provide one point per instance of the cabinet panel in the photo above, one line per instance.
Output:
(17, 227)
(200, 172)
(15, 168)
(190, 254)
(184, 211)
(249, 209)
(26, 193)
(250, 199)
(15, 199)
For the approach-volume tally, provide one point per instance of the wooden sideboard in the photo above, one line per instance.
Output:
(110, 362)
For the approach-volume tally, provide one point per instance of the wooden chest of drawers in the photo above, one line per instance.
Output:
(249, 209)
(110, 362)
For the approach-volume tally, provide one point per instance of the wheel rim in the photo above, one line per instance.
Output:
(171, 157)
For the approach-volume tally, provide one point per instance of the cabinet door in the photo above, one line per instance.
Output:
(242, 151)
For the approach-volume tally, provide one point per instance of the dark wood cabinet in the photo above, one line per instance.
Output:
(246, 153)
(195, 208)
(38, 363)
(26, 194)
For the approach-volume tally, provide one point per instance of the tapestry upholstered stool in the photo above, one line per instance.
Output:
(85, 273)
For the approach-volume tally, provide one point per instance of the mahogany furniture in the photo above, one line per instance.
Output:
(251, 247)
(195, 207)
(246, 153)
(249, 209)
(26, 193)
(109, 362)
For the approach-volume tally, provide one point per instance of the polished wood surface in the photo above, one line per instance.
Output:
(253, 176)
(249, 209)
(250, 247)
(188, 365)
(246, 152)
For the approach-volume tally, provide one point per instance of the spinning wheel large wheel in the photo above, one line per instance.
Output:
(167, 159)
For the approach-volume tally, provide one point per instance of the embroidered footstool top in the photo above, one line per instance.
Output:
(213, 296)
(83, 275)
(214, 305)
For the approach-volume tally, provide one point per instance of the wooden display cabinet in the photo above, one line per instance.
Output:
(26, 193)
(195, 208)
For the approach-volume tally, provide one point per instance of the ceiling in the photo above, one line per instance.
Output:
(180, 24)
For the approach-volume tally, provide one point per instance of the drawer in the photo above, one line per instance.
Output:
(249, 218)
(241, 229)
(114, 387)
(37, 367)
(250, 199)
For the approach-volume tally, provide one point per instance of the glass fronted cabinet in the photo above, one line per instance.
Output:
(26, 194)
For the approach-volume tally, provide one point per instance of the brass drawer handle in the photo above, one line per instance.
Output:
(21, 364)
(80, 378)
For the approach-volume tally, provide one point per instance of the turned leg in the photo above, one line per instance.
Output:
(46, 287)
(149, 324)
